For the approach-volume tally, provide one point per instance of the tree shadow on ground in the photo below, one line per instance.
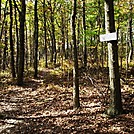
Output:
(49, 126)
(41, 105)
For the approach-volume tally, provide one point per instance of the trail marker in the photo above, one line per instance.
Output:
(108, 37)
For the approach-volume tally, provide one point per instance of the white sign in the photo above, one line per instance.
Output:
(108, 37)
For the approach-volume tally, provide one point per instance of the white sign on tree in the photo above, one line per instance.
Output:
(108, 37)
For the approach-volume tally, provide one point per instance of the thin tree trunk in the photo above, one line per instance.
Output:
(26, 49)
(130, 57)
(5, 48)
(5, 13)
(0, 39)
(127, 65)
(31, 47)
(53, 39)
(1, 30)
(11, 42)
(45, 33)
(0, 9)
(76, 102)
(63, 33)
(35, 40)
(67, 43)
(17, 40)
(84, 35)
(115, 107)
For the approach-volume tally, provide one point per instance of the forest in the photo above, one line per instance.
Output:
(66, 67)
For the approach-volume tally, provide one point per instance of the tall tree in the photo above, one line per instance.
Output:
(54, 54)
(35, 39)
(22, 42)
(11, 41)
(84, 35)
(45, 33)
(17, 37)
(115, 95)
(63, 31)
(0, 39)
(2, 26)
(0, 9)
(5, 47)
(76, 102)
(130, 34)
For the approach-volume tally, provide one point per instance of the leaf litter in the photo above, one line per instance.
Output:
(44, 106)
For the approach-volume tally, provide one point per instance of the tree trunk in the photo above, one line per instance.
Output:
(130, 57)
(22, 46)
(53, 39)
(63, 33)
(17, 40)
(31, 46)
(26, 49)
(11, 41)
(5, 48)
(115, 95)
(0, 39)
(0, 9)
(76, 103)
(67, 42)
(84, 35)
(35, 40)
(45, 33)
(2, 27)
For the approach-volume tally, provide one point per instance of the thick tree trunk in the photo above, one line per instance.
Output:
(76, 103)
(35, 40)
(115, 96)
(22, 46)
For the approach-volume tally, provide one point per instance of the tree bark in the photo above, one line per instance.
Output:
(17, 37)
(35, 40)
(11, 42)
(84, 35)
(53, 39)
(2, 27)
(45, 33)
(22, 46)
(115, 95)
(0, 9)
(130, 57)
(76, 102)
(0, 39)
(5, 48)
(63, 32)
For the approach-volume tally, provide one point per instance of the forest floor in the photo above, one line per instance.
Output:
(44, 105)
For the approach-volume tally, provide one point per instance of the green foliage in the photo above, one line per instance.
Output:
(2, 45)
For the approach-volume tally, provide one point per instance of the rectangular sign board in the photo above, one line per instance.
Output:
(108, 37)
